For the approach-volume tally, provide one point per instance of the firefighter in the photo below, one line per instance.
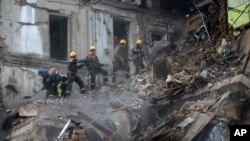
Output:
(120, 60)
(46, 81)
(54, 83)
(72, 74)
(137, 55)
(55, 78)
(95, 67)
(58, 83)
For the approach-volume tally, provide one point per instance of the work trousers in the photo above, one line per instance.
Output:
(139, 65)
(93, 76)
(74, 78)
(120, 66)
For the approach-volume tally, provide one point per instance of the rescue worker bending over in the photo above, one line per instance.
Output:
(54, 83)
(46, 81)
(58, 83)
(95, 67)
(55, 78)
(72, 74)
(137, 55)
(120, 60)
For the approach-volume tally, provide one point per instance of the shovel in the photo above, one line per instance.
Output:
(28, 97)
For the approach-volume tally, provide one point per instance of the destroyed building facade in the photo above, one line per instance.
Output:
(200, 82)
(41, 33)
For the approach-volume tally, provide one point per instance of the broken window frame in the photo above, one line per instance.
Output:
(65, 54)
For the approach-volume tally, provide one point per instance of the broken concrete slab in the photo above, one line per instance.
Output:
(185, 122)
(234, 84)
(30, 110)
(201, 120)
(217, 132)
(24, 112)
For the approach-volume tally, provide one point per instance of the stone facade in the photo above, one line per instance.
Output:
(25, 34)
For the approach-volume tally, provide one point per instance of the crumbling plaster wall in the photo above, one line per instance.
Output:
(170, 27)
(18, 82)
(25, 30)
(102, 26)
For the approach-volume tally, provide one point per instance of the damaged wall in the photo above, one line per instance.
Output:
(23, 29)
(18, 82)
(25, 34)
(26, 26)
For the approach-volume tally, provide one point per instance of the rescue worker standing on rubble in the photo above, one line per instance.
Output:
(137, 55)
(95, 67)
(120, 60)
(72, 74)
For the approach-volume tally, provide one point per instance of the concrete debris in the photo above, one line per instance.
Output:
(217, 132)
(189, 85)
(30, 109)
(201, 120)
(185, 122)
(171, 79)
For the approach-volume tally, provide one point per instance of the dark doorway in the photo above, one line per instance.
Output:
(120, 31)
(58, 37)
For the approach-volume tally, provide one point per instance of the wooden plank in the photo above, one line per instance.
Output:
(201, 122)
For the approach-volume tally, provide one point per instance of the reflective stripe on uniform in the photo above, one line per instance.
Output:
(59, 90)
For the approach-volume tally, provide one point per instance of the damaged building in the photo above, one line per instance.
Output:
(40, 34)
(194, 87)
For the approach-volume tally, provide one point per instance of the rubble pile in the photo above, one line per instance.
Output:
(190, 68)
(178, 91)
(74, 134)
(192, 117)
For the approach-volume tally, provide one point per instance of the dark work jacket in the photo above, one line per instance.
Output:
(72, 65)
(121, 54)
(92, 61)
(137, 53)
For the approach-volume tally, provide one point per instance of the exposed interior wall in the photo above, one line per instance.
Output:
(101, 35)
(18, 82)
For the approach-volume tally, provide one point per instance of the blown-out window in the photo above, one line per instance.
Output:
(58, 37)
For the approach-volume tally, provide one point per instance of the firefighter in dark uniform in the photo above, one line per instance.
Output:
(137, 55)
(54, 79)
(95, 67)
(54, 83)
(72, 74)
(58, 83)
(120, 60)
(46, 81)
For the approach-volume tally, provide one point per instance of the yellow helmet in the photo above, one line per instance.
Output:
(72, 54)
(122, 41)
(139, 42)
(92, 48)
